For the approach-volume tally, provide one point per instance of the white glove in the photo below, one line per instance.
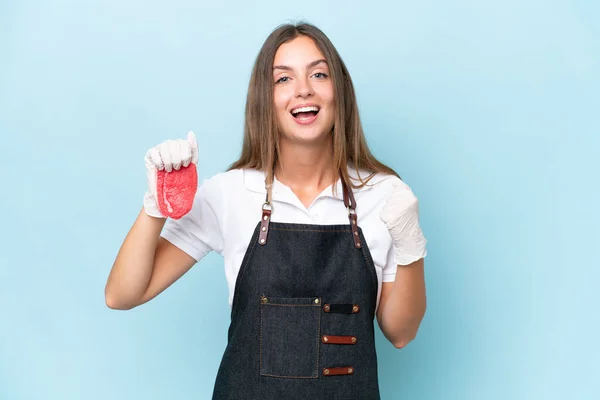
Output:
(169, 155)
(400, 214)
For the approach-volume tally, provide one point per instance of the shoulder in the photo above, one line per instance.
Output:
(379, 189)
(230, 191)
(222, 178)
(233, 180)
(380, 183)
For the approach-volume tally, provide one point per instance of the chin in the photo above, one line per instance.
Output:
(306, 135)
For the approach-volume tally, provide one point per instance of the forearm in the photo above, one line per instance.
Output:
(402, 305)
(132, 269)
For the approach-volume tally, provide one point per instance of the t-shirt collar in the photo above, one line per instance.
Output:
(254, 180)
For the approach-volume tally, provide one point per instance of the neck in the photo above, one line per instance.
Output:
(306, 167)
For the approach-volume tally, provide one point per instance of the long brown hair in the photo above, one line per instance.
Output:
(261, 137)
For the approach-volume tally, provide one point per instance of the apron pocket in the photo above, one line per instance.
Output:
(290, 336)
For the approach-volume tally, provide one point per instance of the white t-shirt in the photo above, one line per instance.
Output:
(228, 206)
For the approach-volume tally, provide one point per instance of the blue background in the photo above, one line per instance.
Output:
(488, 110)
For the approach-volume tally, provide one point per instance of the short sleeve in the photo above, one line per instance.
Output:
(198, 232)
(411, 244)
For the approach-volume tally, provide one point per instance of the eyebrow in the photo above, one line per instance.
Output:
(309, 66)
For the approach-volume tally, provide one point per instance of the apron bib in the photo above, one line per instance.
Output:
(302, 315)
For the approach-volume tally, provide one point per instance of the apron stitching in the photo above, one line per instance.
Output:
(371, 268)
(260, 347)
(318, 341)
(243, 268)
(293, 305)
(318, 337)
(310, 230)
(293, 377)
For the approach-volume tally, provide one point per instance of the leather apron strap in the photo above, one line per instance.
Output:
(349, 202)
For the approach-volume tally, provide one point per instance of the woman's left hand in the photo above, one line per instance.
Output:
(400, 214)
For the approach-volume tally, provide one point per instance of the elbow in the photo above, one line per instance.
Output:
(405, 336)
(115, 303)
(402, 337)
(409, 333)
(403, 341)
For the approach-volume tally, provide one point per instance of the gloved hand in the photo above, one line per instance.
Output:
(167, 156)
(400, 214)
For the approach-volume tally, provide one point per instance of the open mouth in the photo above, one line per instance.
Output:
(304, 113)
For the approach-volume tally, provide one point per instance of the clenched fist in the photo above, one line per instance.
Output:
(172, 177)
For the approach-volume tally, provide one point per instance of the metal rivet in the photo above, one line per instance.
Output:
(325, 339)
(262, 240)
(326, 372)
(265, 217)
(355, 309)
(355, 233)
(350, 370)
(354, 222)
(353, 340)
(264, 228)
(327, 308)
(316, 301)
(264, 300)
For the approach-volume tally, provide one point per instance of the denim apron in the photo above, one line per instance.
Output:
(302, 314)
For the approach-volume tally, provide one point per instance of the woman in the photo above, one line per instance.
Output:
(318, 237)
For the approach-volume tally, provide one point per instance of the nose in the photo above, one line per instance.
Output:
(303, 88)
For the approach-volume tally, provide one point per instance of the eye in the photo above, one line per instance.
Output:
(320, 75)
(283, 79)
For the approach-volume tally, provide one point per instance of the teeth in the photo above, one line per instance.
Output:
(305, 109)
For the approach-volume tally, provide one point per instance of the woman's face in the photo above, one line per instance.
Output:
(304, 96)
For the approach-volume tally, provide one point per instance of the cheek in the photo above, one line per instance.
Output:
(281, 101)
(328, 96)
(331, 95)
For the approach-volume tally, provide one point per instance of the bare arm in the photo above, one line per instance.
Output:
(402, 304)
(146, 264)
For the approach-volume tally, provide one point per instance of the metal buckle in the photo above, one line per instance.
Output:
(267, 206)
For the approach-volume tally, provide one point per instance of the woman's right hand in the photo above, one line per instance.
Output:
(169, 155)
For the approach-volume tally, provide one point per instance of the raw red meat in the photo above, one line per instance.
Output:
(176, 190)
